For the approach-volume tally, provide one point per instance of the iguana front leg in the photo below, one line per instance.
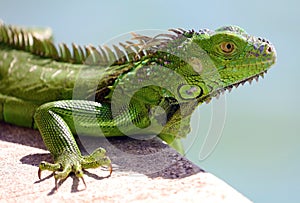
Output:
(55, 121)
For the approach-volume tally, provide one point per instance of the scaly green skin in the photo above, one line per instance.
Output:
(63, 92)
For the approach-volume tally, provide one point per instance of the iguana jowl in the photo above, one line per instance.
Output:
(175, 72)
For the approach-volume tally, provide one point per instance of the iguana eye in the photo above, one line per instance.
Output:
(227, 47)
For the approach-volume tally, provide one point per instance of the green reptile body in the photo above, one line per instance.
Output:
(150, 85)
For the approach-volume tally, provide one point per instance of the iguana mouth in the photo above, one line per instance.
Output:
(268, 62)
(249, 80)
(221, 91)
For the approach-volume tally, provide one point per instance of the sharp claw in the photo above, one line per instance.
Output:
(56, 184)
(39, 173)
(83, 182)
(110, 170)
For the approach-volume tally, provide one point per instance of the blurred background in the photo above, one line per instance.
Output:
(258, 153)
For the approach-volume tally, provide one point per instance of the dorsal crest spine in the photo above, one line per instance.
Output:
(129, 51)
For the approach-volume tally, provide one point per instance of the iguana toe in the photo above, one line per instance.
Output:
(69, 162)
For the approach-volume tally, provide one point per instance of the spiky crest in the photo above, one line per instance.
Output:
(129, 51)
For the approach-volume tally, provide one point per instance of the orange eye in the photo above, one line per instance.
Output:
(227, 47)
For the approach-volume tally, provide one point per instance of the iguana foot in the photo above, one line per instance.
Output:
(69, 162)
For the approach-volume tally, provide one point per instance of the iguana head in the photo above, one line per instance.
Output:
(214, 62)
(237, 57)
(207, 62)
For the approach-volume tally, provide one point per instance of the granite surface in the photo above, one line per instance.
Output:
(144, 170)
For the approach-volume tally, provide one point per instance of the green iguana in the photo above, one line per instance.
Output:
(150, 85)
